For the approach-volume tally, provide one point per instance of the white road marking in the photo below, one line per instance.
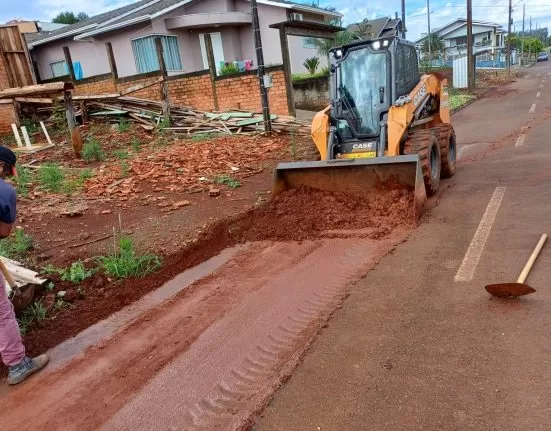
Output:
(520, 140)
(533, 109)
(476, 247)
(538, 94)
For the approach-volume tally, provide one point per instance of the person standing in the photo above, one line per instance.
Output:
(20, 366)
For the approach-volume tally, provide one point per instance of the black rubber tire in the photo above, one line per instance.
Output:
(448, 149)
(425, 143)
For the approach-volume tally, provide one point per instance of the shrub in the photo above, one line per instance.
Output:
(127, 262)
(51, 176)
(92, 151)
(229, 69)
(311, 64)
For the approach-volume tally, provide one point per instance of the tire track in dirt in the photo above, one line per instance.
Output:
(231, 370)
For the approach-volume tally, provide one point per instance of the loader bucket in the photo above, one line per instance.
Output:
(359, 177)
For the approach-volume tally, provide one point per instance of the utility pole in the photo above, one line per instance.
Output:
(404, 19)
(430, 41)
(509, 40)
(470, 56)
(260, 66)
(522, 40)
(530, 25)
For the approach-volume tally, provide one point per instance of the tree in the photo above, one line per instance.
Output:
(437, 45)
(324, 45)
(69, 17)
(362, 30)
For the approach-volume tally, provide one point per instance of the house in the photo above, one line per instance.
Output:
(486, 36)
(35, 26)
(182, 25)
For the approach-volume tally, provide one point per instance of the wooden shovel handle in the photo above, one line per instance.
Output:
(532, 259)
(7, 275)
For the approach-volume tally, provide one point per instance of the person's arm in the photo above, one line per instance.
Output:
(7, 209)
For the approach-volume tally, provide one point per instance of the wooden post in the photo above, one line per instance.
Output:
(73, 128)
(260, 69)
(69, 63)
(287, 71)
(212, 69)
(112, 63)
(165, 104)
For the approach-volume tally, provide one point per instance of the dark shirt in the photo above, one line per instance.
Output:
(7, 203)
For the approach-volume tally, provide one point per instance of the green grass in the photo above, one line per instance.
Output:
(124, 125)
(16, 245)
(92, 151)
(121, 154)
(125, 169)
(51, 177)
(136, 144)
(76, 273)
(127, 262)
(23, 181)
(75, 183)
(198, 137)
(228, 181)
(33, 313)
(305, 76)
(457, 100)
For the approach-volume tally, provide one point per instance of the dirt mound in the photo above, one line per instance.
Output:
(304, 213)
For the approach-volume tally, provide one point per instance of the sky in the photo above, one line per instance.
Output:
(442, 11)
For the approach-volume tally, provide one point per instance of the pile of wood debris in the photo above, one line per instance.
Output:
(187, 120)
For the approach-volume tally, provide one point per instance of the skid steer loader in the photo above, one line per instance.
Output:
(386, 125)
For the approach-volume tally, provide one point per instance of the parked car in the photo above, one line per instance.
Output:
(543, 56)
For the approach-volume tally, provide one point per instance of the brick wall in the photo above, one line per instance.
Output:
(7, 117)
(195, 90)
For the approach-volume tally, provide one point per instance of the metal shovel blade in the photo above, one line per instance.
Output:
(505, 290)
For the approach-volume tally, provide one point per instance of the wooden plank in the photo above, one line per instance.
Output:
(33, 149)
(165, 104)
(76, 139)
(138, 87)
(112, 62)
(26, 137)
(212, 69)
(69, 63)
(287, 71)
(40, 89)
(46, 132)
(254, 121)
(17, 136)
(95, 96)
(34, 100)
(113, 112)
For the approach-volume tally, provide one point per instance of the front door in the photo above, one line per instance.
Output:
(217, 49)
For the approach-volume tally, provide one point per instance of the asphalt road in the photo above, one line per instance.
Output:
(419, 344)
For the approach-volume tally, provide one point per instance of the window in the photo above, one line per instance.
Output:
(58, 68)
(145, 53)
(307, 42)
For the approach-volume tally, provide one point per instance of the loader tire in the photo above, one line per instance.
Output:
(446, 137)
(425, 143)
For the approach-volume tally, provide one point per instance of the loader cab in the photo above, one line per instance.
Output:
(366, 78)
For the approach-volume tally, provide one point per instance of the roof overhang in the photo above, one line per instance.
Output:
(62, 35)
(114, 26)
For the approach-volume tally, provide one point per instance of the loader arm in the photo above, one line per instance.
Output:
(403, 114)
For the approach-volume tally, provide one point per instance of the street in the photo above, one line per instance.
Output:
(420, 344)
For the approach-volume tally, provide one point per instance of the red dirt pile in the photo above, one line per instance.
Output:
(304, 213)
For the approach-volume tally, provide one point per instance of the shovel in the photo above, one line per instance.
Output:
(504, 290)
(21, 294)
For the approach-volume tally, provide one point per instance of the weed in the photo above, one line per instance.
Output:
(50, 286)
(51, 176)
(126, 262)
(76, 273)
(124, 125)
(121, 154)
(164, 123)
(125, 169)
(61, 303)
(51, 269)
(136, 144)
(92, 151)
(16, 245)
(228, 181)
(198, 137)
(73, 184)
(36, 312)
(23, 181)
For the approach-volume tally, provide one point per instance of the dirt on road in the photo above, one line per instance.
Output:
(232, 337)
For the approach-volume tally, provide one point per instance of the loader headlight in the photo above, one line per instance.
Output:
(376, 45)
(338, 54)
(385, 43)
